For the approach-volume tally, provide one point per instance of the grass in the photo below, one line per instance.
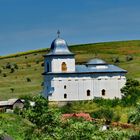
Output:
(29, 68)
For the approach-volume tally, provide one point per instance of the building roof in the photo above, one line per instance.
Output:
(9, 102)
(59, 47)
(96, 61)
(98, 69)
(85, 116)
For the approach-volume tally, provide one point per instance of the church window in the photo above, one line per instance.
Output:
(88, 92)
(47, 67)
(65, 96)
(64, 67)
(65, 86)
(103, 92)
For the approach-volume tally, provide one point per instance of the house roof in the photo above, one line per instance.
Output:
(86, 116)
(9, 102)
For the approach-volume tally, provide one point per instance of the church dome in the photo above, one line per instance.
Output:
(59, 47)
(96, 61)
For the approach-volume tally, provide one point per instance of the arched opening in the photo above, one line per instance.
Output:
(103, 92)
(65, 86)
(88, 92)
(65, 96)
(64, 67)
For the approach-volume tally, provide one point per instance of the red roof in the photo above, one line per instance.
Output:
(86, 116)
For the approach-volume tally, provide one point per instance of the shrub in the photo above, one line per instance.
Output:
(37, 61)
(103, 113)
(15, 66)
(4, 75)
(12, 70)
(17, 111)
(115, 59)
(12, 89)
(129, 57)
(28, 79)
(8, 65)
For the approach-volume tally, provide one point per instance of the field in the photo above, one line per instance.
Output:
(27, 78)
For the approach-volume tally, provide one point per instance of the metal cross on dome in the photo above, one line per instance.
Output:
(58, 33)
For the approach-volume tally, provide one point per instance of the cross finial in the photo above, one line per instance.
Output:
(58, 33)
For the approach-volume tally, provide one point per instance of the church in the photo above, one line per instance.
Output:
(66, 81)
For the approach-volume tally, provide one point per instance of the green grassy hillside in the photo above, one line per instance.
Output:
(27, 78)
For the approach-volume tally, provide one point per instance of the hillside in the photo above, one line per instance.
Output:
(26, 77)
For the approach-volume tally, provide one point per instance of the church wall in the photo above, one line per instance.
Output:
(77, 86)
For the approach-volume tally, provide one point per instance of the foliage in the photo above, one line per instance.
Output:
(107, 102)
(134, 116)
(130, 92)
(129, 57)
(28, 79)
(104, 113)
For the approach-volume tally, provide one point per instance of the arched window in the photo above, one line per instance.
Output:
(65, 86)
(64, 67)
(48, 67)
(103, 92)
(65, 96)
(88, 92)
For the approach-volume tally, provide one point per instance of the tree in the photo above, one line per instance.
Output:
(130, 92)
(46, 121)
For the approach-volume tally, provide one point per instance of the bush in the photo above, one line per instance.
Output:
(4, 75)
(116, 60)
(8, 65)
(15, 66)
(12, 89)
(17, 111)
(12, 70)
(104, 113)
(130, 92)
(37, 61)
(129, 57)
(28, 79)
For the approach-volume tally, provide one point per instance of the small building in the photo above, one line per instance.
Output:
(65, 81)
(11, 104)
(84, 116)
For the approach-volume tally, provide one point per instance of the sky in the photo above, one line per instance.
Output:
(33, 24)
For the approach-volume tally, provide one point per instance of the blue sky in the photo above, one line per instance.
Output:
(32, 24)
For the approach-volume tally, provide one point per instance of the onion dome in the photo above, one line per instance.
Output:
(59, 47)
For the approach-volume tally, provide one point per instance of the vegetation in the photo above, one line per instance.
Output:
(41, 122)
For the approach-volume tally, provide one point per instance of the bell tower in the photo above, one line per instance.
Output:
(59, 59)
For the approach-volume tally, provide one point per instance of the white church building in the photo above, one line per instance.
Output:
(66, 81)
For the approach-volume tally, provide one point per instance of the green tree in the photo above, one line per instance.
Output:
(130, 92)
(46, 122)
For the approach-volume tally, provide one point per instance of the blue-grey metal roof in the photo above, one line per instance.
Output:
(108, 68)
(83, 69)
(96, 61)
(59, 47)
